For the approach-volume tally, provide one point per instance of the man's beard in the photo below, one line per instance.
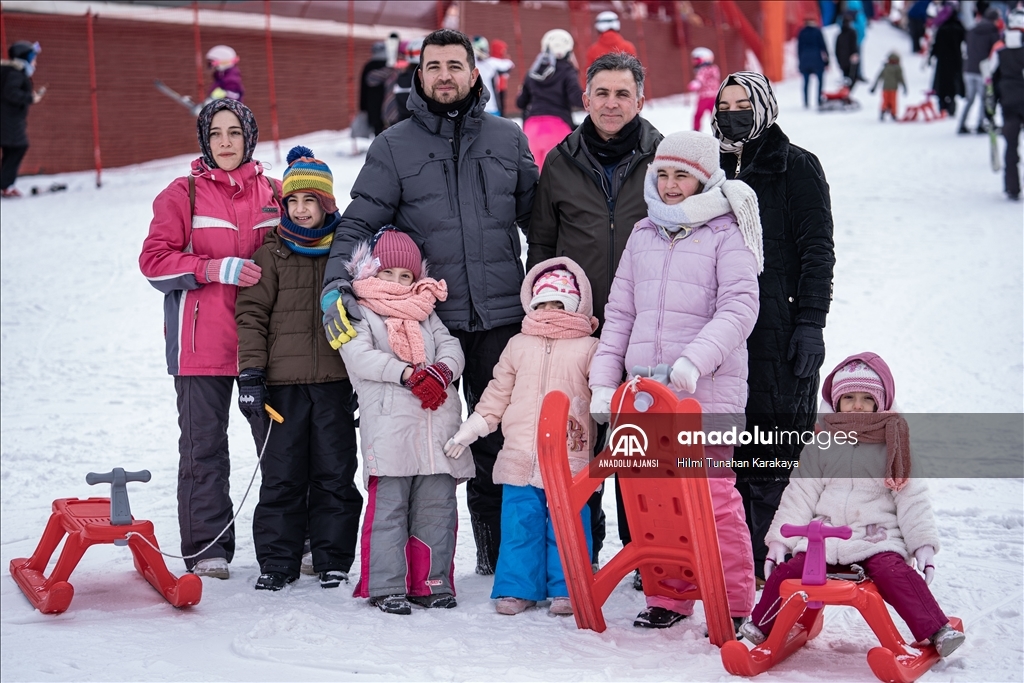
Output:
(448, 97)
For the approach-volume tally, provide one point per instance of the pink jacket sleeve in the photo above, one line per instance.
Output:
(164, 259)
(498, 394)
(619, 314)
(736, 306)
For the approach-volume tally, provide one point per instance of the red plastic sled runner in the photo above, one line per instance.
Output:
(670, 513)
(87, 522)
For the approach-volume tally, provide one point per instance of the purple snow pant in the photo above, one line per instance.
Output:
(897, 582)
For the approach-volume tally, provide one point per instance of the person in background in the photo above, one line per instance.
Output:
(917, 17)
(787, 345)
(1008, 81)
(891, 78)
(848, 53)
(812, 55)
(198, 252)
(227, 79)
(490, 69)
(706, 78)
(609, 39)
(499, 50)
(16, 96)
(980, 40)
(947, 56)
(371, 86)
(550, 93)
(397, 96)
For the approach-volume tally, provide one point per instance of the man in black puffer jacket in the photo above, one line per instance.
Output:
(786, 348)
(461, 183)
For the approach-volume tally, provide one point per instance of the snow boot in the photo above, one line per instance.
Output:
(392, 604)
(512, 606)
(214, 567)
(946, 640)
(272, 581)
(487, 539)
(638, 583)
(439, 601)
(657, 617)
(749, 630)
(560, 607)
(333, 578)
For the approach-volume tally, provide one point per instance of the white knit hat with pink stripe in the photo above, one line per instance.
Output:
(696, 153)
(857, 376)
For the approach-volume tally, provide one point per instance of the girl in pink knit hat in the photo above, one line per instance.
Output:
(553, 352)
(862, 480)
(402, 361)
(686, 294)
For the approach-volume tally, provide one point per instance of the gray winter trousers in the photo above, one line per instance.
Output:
(974, 84)
(408, 540)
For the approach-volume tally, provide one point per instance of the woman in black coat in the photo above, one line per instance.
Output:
(786, 348)
(848, 53)
(949, 63)
(16, 95)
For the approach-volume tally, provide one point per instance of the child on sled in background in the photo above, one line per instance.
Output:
(891, 78)
(309, 464)
(402, 361)
(553, 352)
(867, 486)
(686, 294)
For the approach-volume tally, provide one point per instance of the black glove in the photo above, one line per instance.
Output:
(252, 396)
(808, 347)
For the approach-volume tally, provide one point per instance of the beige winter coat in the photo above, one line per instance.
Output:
(844, 486)
(398, 437)
(528, 369)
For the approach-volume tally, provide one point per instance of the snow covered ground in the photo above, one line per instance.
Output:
(930, 274)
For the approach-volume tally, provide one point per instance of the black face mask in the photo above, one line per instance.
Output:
(735, 125)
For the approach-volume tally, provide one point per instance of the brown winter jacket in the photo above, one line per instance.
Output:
(279, 319)
(571, 216)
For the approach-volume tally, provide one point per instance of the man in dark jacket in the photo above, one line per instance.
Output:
(980, 40)
(787, 347)
(372, 85)
(1008, 81)
(459, 182)
(16, 94)
(591, 193)
(812, 55)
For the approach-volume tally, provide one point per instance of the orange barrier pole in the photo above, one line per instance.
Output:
(270, 82)
(748, 33)
(773, 23)
(92, 97)
(677, 24)
(351, 76)
(720, 56)
(199, 51)
(518, 31)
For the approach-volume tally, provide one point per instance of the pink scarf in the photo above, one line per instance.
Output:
(404, 308)
(886, 427)
(555, 324)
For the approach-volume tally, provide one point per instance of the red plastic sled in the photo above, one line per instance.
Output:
(670, 514)
(802, 612)
(87, 522)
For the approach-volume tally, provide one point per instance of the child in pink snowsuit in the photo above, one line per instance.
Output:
(686, 293)
(863, 483)
(706, 79)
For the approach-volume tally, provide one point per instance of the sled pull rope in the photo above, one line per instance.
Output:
(275, 418)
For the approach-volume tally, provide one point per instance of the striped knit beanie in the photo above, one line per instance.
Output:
(857, 376)
(250, 131)
(305, 173)
(762, 101)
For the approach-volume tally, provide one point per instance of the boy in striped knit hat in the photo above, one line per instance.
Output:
(284, 360)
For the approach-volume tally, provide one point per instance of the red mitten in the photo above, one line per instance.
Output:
(430, 385)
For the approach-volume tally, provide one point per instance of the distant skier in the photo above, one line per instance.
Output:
(610, 40)
(706, 79)
(491, 68)
(1008, 81)
(550, 92)
(227, 79)
(891, 77)
(980, 40)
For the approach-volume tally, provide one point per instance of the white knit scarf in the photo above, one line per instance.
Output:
(719, 197)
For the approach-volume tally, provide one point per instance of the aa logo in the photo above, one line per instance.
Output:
(628, 441)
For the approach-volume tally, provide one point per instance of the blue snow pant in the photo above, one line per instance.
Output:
(529, 567)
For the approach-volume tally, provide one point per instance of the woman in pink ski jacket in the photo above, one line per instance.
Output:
(205, 228)
(686, 294)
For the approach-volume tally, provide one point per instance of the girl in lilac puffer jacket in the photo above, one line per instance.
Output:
(685, 293)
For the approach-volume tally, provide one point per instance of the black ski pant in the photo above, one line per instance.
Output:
(204, 500)
(761, 499)
(598, 521)
(482, 350)
(1012, 118)
(308, 469)
(10, 164)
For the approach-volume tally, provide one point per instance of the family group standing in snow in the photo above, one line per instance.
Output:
(711, 254)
